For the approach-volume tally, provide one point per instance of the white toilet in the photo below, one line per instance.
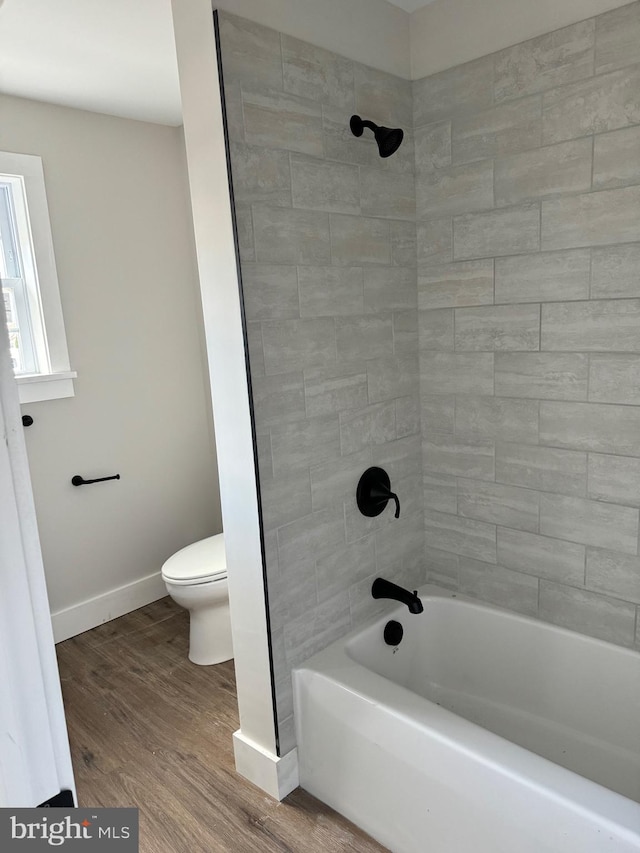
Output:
(196, 578)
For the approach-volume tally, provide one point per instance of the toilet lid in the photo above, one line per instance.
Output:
(203, 561)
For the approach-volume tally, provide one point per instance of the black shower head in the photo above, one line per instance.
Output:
(389, 139)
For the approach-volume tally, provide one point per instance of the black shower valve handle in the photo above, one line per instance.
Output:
(374, 493)
(383, 495)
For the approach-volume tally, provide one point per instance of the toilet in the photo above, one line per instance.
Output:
(196, 579)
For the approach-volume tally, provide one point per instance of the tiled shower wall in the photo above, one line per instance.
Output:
(328, 262)
(528, 207)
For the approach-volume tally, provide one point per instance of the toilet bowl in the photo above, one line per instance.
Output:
(196, 579)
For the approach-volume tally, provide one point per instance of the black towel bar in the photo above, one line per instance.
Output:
(77, 480)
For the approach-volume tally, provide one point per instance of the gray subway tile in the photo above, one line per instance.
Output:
(455, 189)
(508, 231)
(297, 344)
(456, 373)
(498, 328)
(402, 544)
(318, 74)
(392, 377)
(546, 469)
(615, 271)
(465, 88)
(335, 480)
(255, 349)
(549, 171)
(499, 586)
(390, 289)
(385, 193)
(587, 612)
(244, 233)
(433, 146)
(463, 536)
(339, 142)
(330, 291)
(455, 457)
(285, 236)
(614, 378)
(317, 628)
(436, 329)
(405, 332)
(437, 413)
(382, 97)
(293, 590)
(359, 240)
(549, 60)
(297, 445)
(597, 326)
(547, 558)
(455, 284)
(614, 478)
(403, 243)
(364, 336)
(260, 175)
(499, 504)
(616, 158)
(617, 38)
(285, 498)
(323, 185)
(331, 576)
(498, 418)
(497, 131)
(334, 388)
(591, 426)
(435, 241)
(263, 454)
(543, 277)
(408, 414)
(605, 102)
(250, 53)
(278, 120)
(314, 535)
(439, 491)
(278, 399)
(591, 219)
(270, 292)
(614, 574)
(550, 376)
(590, 522)
(233, 112)
(442, 567)
(366, 427)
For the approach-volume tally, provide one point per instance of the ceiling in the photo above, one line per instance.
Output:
(116, 57)
(410, 5)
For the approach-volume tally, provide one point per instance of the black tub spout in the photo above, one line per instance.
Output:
(386, 589)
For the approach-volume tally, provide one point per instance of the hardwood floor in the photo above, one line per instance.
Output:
(150, 729)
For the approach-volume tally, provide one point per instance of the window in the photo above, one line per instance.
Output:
(30, 293)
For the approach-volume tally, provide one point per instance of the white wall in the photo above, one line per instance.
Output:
(118, 201)
(371, 31)
(449, 32)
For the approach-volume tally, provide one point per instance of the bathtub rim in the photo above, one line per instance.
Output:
(582, 795)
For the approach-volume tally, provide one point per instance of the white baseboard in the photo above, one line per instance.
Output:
(278, 777)
(102, 608)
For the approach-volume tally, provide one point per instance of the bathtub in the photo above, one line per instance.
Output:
(481, 732)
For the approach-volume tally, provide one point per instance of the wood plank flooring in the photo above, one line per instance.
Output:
(150, 729)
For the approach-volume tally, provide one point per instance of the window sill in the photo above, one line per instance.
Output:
(46, 386)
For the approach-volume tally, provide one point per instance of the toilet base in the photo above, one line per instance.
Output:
(210, 635)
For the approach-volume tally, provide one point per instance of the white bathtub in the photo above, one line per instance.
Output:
(482, 732)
